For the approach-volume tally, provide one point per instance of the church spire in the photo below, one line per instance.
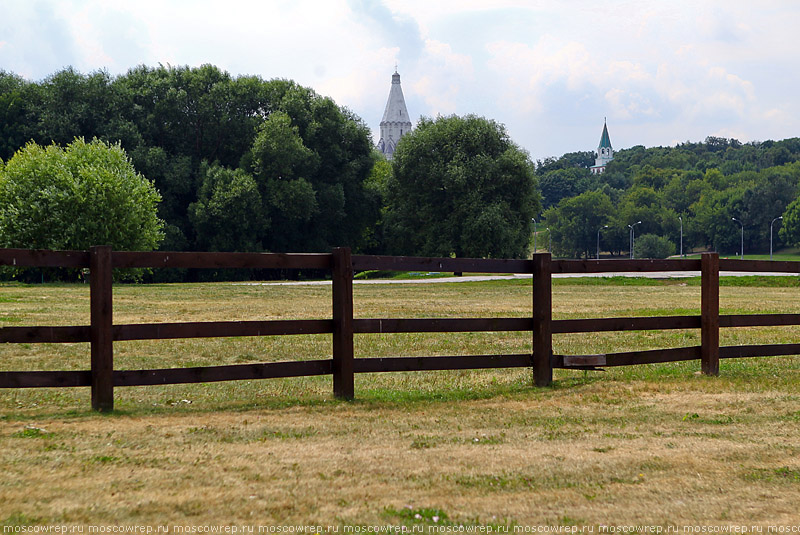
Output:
(605, 141)
(395, 122)
(604, 154)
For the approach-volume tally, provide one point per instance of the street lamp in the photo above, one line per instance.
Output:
(770, 236)
(534, 234)
(741, 253)
(598, 240)
(681, 220)
(549, 240)
(632, 236)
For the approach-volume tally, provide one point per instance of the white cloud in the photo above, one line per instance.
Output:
(526, 73)
(627, 105)
(550, 71)
(453, 73)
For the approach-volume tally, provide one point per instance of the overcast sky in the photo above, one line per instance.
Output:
(662, 72)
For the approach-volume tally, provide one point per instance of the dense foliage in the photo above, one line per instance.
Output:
(460, 187)
(652, 246)
(241, 163)
(696, 187)
(86, 194)
(246, 164)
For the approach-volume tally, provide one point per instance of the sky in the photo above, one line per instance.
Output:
(660, 72)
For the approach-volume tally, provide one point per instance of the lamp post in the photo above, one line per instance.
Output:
(741, 253)
(549, 240)
(534, 233)
(681, 220)
(598, 240)
(770, 236)
(632, 236)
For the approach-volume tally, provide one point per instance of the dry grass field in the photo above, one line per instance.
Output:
(647, 445)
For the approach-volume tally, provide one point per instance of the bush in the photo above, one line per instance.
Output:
(75, 197)
(652, 246)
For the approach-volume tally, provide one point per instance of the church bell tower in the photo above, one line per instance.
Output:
(395, 122)
(604, 152)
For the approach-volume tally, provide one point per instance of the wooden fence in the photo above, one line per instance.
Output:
(102, 332)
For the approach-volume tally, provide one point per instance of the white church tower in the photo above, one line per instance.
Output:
(395, 122)
(604, 153)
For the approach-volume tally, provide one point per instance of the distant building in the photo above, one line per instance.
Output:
(604, 153)
(395, 122)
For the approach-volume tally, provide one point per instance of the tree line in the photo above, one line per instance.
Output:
(705, 191)
(247, 164)
(241, 163)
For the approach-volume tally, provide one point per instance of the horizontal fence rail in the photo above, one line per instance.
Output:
(342, 326)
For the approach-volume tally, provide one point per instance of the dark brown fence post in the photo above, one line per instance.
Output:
(542, 320)
(101, 325)
(709, 313)
(343, 378)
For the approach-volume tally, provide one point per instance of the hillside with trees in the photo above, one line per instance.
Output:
(701, 186)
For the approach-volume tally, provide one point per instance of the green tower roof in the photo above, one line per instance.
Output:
(605, 141)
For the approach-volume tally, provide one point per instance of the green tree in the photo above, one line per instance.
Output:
(376, 185)
(712, 223)
(282, 164)
(652, 246)
(14, 109)
(561, 183)
(768, 194)
(790, 229)
(229, 214)
(574, 223)
(85, 194)
(460, 187)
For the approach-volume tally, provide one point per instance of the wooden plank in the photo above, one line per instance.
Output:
(101, 301)
(343, 352)
(759, 320)
(410, 364)
(622, 266)
(212, 374)
(219, 329)
(43, 258)
(709, 313)
(628, 358)
(582, 361)
(45, 379)
(457, 265)
(441, 325)
(47, 335)
(655, 323)
(542, 320)
(768, 266)
(653, 356)
(166, 331)
(767, 350)
(130, 259)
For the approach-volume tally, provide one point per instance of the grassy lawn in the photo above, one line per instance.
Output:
(785, 254)
(656, 444)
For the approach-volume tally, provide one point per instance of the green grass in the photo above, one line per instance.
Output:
(747, 281)
(649, 445)
(787, 254)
